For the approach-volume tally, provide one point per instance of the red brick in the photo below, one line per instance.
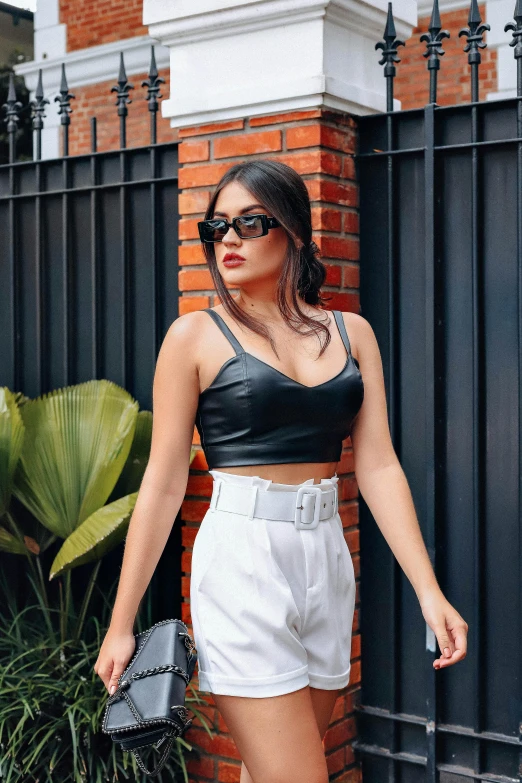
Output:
(355, 673)
(340, 733)
(247, 144)
(195, 176)
(272, 119)
(341, 193)
(333, 274)
(210, 128)
(228, 773)
(188, 228)
(351, 276)
(352, 539)
(190, 151)
(314, 162)
(199, 485)
(338, 247)
(188, 304)
(349, 168)
(335, 761)
(319, 135)
(351, 223)
(195, 280)
(326, 219)
(193, 201)
(191, 254)
(356, 646)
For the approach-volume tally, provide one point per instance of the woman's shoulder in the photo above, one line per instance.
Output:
(360, 332)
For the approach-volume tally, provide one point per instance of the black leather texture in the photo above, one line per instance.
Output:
(253, 414)
(149, 703)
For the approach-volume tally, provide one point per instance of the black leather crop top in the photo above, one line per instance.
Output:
(253, 414)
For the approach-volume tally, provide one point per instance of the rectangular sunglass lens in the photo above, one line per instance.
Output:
(250, 226)
(212, 230)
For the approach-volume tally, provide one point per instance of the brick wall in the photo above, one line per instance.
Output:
(93, 22)
(453, 79)
(319, 145)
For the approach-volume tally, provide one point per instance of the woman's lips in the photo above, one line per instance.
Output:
(233, 262)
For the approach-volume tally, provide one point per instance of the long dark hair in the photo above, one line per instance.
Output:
(284, 195)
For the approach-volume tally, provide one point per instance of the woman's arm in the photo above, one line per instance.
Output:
(163, 487)
(384, 487)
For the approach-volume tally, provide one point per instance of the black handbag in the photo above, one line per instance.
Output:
(148, 706)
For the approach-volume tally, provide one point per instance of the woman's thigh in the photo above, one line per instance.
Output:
(279, 738)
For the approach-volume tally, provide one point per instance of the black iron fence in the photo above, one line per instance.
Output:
(89, 266)
(441, 283)
(88, 254)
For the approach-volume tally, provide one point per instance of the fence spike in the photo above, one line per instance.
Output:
(122, 99)
(38, 106)
(389, 46)
(122, 90)
(153, 93)
(12, 107)
(64, 109)
(434, 48)
(516, 27)
(64, 98)
(474, 34)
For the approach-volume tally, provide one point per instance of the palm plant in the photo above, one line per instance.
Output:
(73, 459)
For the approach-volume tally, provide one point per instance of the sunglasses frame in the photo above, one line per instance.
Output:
(266, 224)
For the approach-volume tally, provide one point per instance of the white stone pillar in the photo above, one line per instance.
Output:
(498, 13)
(240, 58)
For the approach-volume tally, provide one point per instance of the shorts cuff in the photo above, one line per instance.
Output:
(274, 685)
(329, 682)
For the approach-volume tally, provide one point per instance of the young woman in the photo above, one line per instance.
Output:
(272, 582)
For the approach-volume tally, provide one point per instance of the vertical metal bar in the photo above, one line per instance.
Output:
(96, 337)
(478, 414)
(14, 283)
(516, 28)
(125, 324)
(43, 381)
(66, 321)
(393, 331)
(154, 222)
(430, 260)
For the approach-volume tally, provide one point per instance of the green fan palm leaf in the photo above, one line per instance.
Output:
(77, 440)
(12, 433)
(96, 536)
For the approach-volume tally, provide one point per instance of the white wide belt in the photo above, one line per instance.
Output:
(305, 506)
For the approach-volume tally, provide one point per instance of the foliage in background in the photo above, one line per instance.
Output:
(52, 701)
(73, 459)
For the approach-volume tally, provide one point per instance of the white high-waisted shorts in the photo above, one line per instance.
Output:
(271, 605)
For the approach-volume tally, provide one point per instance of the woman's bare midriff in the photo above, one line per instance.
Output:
(287, 473)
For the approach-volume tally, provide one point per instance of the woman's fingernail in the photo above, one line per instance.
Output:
(447, 651)
(113, 688)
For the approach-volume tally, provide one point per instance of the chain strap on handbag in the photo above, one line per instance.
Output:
(148, 706)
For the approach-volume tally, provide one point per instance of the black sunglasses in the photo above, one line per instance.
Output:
(246, 227)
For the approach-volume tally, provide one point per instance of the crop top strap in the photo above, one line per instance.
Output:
(226, 331)
(342, 329)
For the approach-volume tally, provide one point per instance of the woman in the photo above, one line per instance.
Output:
(272, 582)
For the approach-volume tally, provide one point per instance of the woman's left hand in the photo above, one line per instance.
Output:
(448, 626)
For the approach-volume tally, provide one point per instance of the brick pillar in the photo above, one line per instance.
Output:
(319, 144)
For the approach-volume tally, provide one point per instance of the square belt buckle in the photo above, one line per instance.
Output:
(299, 522)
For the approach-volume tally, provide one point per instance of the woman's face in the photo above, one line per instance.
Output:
(264, 256)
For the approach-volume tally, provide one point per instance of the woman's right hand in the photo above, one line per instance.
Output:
(115, 653)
